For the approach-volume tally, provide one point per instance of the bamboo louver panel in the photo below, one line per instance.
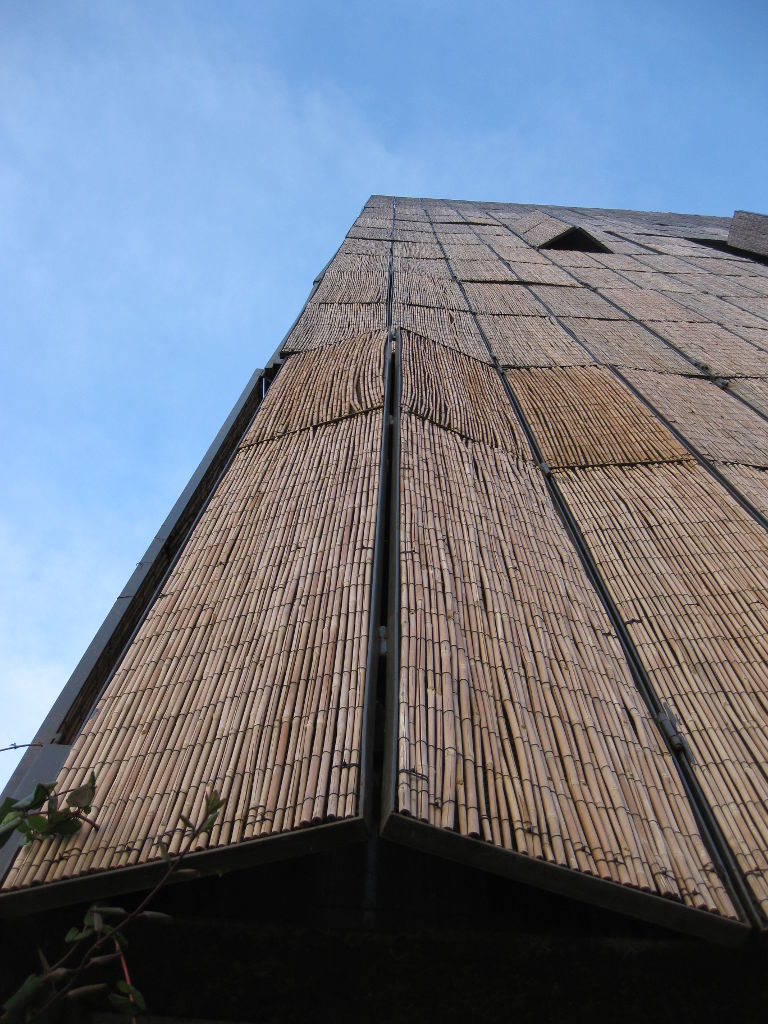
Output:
(355, 263)
(513, 250)
(757, 335)
(460, 393)
(541, 273)
(503, 298)
(413, 233)
(756, 304)
(383, 234)
(469, 249)
(599, 277)
(649, 305)
(719, 426)
(578, 302)
(584, 416)
(715, 284)
(531, 341)
(649, 280)
(518, 720)
(482, 270)
(429, 250)
(365, 247)
(719, 311)
(453, 328)
(347, 380)
(720, 351)
(323, 324)
(751, 481)
(363, 286)
(623, 343)
(418, 290)
(688, 570)
(429, 268)
(753, 391)
(573, 260)
(248, 672)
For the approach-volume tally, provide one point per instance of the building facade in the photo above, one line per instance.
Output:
(465, 616)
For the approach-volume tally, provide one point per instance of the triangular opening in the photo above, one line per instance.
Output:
(575, 240)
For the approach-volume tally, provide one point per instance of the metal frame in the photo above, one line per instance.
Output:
(213, 861)
(367, 795)
(564, 881)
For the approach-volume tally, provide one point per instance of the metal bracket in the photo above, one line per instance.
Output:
(677, 741)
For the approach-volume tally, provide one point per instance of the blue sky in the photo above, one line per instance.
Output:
(173, 175)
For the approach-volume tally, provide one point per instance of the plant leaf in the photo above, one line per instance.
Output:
(156, 915)
(86, 990)
(15, 1006)
(7, 830)
(68, 827)
(6, 807)
(121, 1004)
(111, 911)
(82, 797)
(131, 990)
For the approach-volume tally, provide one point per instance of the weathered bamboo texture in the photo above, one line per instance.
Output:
(381, 224)
(541, 273)
(419, 290)
(751, 481)
(624, 344)
(715, 284)
(584, 416)
(482, 269)
(247, 675)
(722, 428)
(364, 286)
(531, 341)
(721, 352)
(354, 263)
(459, 393)
(571, 260)
(719, 311)
(757, 335)
(429, 250)
(322, 324)
(753, 391)
(578, 302)
(515, 250)
(413, 233)
(688, 570)
(309, 390)
(450, 327)
(429, 268)
(755, 304)
(649, 280)
(365, 247)
(518, 720)
(504, 298)
(382, 233)
(649, 305)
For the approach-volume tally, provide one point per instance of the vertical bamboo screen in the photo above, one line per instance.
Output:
(519, 722)
(688, 570)
(248, 672)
